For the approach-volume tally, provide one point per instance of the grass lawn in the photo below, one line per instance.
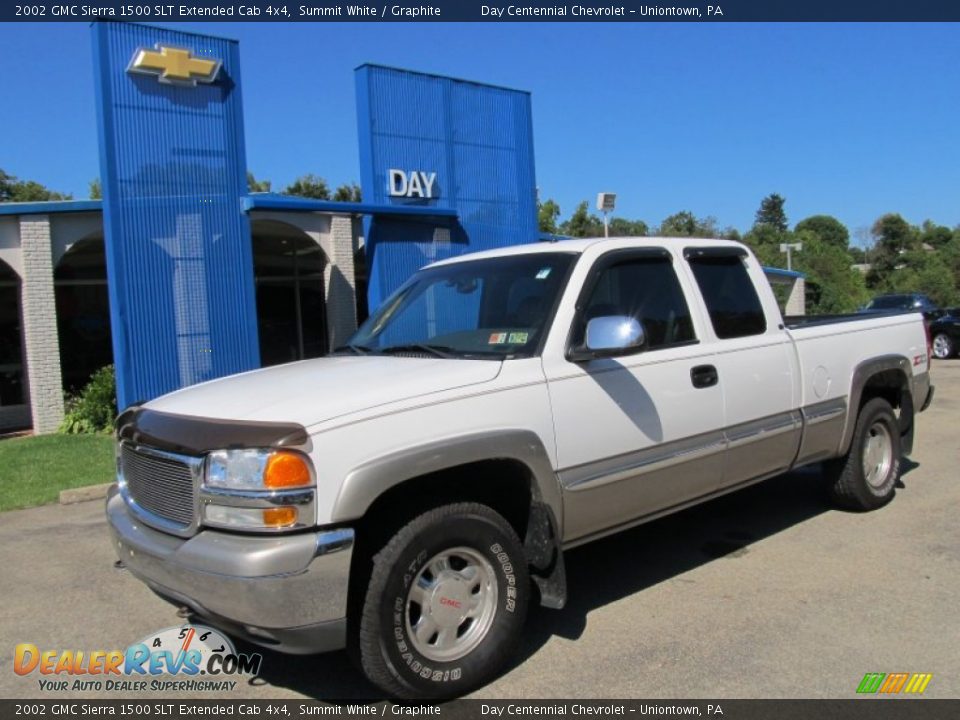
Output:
(33, 470)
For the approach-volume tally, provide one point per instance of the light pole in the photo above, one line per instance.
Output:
(788, 248)
(605, 203)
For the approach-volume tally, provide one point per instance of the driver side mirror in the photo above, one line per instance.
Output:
(611, 336)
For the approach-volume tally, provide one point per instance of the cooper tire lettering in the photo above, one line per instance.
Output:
(455, 572)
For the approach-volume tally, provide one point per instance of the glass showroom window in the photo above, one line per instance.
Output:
(11, 339)
(291, 309)
(83, 312)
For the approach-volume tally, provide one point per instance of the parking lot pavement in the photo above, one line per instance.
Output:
(768, 592)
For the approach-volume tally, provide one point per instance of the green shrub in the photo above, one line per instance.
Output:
(94, 409)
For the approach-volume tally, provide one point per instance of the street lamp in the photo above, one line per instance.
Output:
(605, 204)
(788, 248)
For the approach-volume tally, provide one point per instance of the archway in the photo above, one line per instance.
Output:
(12, 378)
(83, 312)
(291, 307)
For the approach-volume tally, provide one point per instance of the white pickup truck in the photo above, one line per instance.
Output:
(410, 495)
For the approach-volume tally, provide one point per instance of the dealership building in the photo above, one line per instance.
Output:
(179, 275)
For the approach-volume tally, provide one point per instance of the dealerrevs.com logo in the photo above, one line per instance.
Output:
(187, 658)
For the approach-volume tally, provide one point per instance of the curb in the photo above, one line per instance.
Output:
(83, 494)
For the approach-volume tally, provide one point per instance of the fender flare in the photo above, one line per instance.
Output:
(861, 375)
(365, 483)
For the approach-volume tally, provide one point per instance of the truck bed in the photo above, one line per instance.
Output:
(798, 321)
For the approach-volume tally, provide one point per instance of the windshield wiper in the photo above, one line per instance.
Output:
(356, 349)
(441, 351)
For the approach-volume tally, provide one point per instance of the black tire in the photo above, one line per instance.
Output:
(943, 346)
(389, 657)
(849, 485)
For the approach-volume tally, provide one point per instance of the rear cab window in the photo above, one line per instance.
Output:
(728, 291)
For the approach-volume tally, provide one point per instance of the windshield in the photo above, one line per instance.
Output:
(494, 308)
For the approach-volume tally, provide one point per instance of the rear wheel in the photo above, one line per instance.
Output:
(942, 346)
(866, 477)
(446, 601)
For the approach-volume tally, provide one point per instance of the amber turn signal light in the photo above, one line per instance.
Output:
(286, 470)
(280, 516)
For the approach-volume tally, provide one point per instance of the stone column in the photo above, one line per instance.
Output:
(797, 300)
(42, 345)
(340, 282)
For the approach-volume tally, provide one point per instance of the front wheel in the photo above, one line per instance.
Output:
(866, 477)
(446, 600)
(942, 346)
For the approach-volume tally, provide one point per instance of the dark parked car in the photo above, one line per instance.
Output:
(945, 332)
(917, 302)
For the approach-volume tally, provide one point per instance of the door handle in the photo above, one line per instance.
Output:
(703, 376)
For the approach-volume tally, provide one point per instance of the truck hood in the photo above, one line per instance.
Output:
(314, 391)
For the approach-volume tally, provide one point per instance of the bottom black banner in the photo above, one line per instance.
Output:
(866, 708)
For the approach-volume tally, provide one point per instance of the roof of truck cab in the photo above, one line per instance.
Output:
(580, 245)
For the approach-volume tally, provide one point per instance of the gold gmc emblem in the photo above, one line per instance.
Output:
(174, 66)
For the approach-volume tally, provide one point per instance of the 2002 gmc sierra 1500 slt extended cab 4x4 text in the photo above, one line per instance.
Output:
(408, 496)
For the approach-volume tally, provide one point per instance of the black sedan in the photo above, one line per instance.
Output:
(917, 302)
(945, 332)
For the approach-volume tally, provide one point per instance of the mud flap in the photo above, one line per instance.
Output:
(545, 556)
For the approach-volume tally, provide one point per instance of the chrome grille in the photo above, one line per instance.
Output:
(162, 484)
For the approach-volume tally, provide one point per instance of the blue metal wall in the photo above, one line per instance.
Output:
(173, 170)
(477, 138)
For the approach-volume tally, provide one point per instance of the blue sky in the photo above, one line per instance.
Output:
(852, 120)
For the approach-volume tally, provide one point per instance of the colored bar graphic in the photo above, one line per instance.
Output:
(893, 683)
(918, 682)
(870, 683)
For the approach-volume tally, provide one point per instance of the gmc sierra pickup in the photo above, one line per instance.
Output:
(410, 495)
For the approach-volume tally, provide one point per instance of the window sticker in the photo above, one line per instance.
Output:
(497, 339)
(518, 338)
(543, 273)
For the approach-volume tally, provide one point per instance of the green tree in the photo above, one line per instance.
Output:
(686, 224)
(832, 285)
(348, 193)
(309, 186)
(582, 223)
(96, 191)
(254, 185)
(922, 271)
(857, 254)
(936, 236)
(548, 213)
(893, 237)
(14, 190)
(7, 183)
(765, 241)
(827, 228)
(771, 212)
(620, 227)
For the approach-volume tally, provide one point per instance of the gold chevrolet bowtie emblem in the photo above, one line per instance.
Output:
(173, 65)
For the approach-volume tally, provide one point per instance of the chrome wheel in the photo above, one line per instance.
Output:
(877, 454)
(942, 347)
(451, 604)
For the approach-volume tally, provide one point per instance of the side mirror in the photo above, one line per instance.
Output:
(611, 335)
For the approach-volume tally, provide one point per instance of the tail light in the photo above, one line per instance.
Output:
(926, 330)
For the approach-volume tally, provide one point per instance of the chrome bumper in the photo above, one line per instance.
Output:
(288, 593)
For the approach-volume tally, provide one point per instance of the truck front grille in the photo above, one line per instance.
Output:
(161, 484)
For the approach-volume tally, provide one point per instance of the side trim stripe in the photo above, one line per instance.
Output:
(621, 467)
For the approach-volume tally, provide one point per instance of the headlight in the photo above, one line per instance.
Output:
(257, 470)
(258, 489)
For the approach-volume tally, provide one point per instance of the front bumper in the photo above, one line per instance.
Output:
(285, 592)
